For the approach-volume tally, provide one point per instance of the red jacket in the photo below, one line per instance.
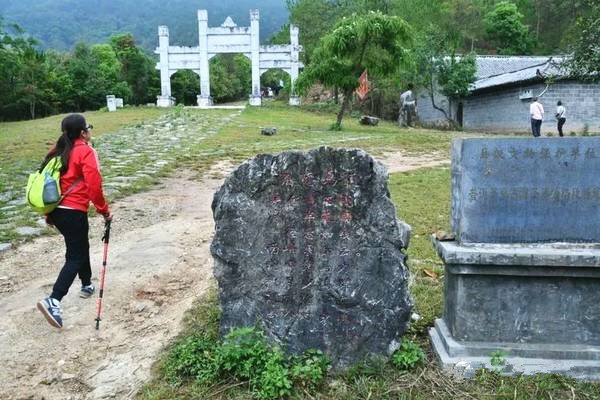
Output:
(83, 165)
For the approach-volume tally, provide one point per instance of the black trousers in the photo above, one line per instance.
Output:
(74, 227)
(561, 122)
(536, 127)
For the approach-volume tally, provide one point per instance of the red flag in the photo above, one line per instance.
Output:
(363, 87)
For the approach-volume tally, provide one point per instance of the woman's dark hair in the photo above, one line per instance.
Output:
(559, 103)
(71, 127)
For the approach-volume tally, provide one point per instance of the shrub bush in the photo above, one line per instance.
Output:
(245, 355)
(193, 357)
(408, 355)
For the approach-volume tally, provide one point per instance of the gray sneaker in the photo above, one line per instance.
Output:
(52, 312)
(87, 291)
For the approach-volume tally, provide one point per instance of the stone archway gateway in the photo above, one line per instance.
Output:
(228, 38)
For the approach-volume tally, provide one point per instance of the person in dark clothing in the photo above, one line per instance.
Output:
(561, 117)
(81, 183)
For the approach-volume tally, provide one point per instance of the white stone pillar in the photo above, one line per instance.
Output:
(111, 103)
(255, 97)
(165, 99)
(294, 64)
(204, 99)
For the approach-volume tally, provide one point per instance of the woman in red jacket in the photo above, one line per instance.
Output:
(81, 181)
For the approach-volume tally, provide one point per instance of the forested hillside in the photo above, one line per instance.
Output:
(67, 55)
(60, 24)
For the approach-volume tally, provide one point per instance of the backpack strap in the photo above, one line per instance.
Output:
(70, 189)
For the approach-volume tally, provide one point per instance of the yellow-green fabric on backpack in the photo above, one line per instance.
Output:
(43, 188)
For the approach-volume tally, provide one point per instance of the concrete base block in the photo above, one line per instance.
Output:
(255, 100)
(294, 101)
(204, 101)
(464, 358)
(165, 101)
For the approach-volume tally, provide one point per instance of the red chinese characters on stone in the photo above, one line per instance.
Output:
(329, 177)
(326, 217)
(310, 216)
(346, 216)
(307, 179)
(286, 179)
(291, 247)
(346, 200)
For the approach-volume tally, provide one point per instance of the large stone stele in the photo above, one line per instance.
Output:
(308, 247)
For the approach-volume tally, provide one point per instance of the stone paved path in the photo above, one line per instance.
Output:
(129, 158)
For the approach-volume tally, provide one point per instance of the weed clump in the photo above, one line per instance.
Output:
(408, 355)
(246, 356)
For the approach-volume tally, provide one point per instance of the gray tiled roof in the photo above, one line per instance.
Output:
(502, 70)
(495, 65)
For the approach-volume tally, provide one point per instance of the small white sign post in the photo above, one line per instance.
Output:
(111, 103)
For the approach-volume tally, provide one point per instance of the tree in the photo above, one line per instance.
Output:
(109, 69)
(585, 61)
(314, 18)
(88, 89)
(33, 86)
(230, 77)
(372, 41)
(436, 68)
(136, 67)
(505, 29)
(185, 86)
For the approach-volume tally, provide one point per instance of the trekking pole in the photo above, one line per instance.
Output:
(105, 239)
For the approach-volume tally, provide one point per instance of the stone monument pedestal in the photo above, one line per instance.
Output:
(538, 304)
(522, 280)
(255, 100)
(294, 101)
(165, 101)
(204, 101)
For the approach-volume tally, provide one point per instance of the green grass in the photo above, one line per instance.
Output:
(422, 199)
(298, 129)
(31, 139)
(23, 145)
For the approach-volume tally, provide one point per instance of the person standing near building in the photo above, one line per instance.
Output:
(536, 111)
(561, 117)
(408, 106)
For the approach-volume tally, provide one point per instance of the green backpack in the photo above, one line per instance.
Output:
(43, 188)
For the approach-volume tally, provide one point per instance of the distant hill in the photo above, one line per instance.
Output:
(59, 24)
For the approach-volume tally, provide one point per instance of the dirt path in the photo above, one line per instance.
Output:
(159, 262)
(401, 162)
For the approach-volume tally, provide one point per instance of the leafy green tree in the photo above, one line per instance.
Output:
(9, 71)
(60, 83)
(185, 86)
(136, 67)
(89, 88)
(314, 18)
(436, 68)
(372, 41)
(505, 29)
(273, 77)
(230, 77)
(454, 75)
(109, 68)
(585, 62)
(33, 89)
